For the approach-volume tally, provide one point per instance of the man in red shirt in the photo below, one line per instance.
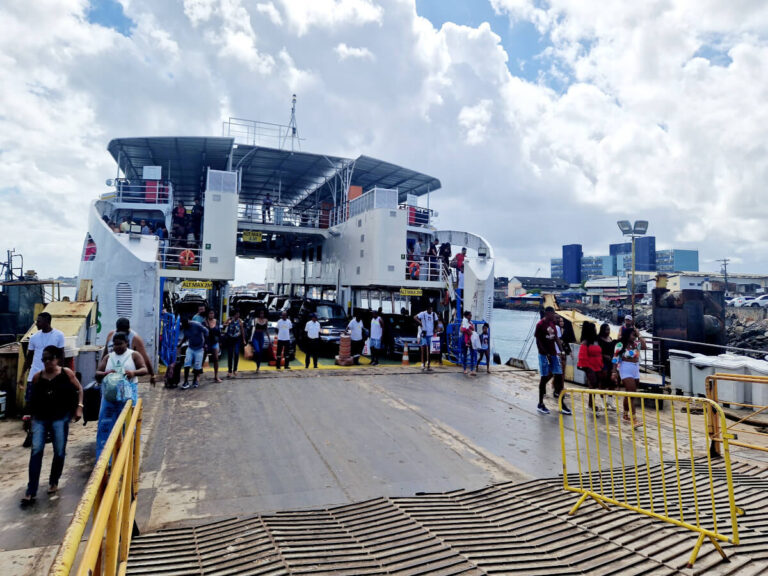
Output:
(460, 260)
(547, 342)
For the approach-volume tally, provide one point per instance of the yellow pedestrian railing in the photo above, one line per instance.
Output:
(634, 459)
(737, 427)
(109, 501)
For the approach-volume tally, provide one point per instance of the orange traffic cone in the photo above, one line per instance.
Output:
(406, 360)
(273, 360)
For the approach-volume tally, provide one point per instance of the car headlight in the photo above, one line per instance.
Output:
(325, 331)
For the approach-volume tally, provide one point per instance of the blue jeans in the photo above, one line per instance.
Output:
(59, 429)
(108, 413)
(258, 346)
(472, 353)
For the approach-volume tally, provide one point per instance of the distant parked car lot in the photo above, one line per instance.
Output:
(741, 301)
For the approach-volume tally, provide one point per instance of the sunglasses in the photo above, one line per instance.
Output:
(48, 358)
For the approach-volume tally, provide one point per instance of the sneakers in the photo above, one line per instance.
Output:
(609, 404)
(542, 409)
(565, 411)
(195, 384)
(185, 386)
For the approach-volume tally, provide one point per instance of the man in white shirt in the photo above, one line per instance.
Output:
(377, 330)
(46, 335)
(355, 329)
(427, 319)
(313, 340)
(283, 339)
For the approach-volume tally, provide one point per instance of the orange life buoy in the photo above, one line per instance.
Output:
(187, 257)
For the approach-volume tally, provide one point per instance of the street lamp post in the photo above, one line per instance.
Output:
(639, 228)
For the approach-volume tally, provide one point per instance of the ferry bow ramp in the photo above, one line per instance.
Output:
(393, 472)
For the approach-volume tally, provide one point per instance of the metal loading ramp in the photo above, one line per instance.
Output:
(502, 529)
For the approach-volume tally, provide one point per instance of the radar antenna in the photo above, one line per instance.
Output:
(293, 129)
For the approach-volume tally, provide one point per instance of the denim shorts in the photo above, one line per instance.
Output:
(194, 358)
(376, 343)
(549, 364)
(426, 339)
(629, 370)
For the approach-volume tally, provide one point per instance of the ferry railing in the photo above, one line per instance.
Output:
(109, 501)
(282, 215)
(429, 268)
(140, 192)
(179, 257)
(417, 216)
(729, 433)
(638, 440)
(373, 199)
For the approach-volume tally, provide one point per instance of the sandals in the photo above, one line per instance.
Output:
(53, 488)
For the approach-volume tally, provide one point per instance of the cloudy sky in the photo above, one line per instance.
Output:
(546, 120)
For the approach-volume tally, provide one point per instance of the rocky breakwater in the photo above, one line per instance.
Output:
(643, 314)
(747, 333)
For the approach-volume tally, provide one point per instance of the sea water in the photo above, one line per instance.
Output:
(510, 329)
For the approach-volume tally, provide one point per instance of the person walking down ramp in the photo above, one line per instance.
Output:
(549, 362)
(50, 409)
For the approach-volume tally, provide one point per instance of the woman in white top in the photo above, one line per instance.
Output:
(130, 365)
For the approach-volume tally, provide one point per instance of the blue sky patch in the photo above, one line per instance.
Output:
(522, 42)
(716, 55)
(109, 13)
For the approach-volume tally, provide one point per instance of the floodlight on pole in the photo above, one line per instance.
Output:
(639, 228)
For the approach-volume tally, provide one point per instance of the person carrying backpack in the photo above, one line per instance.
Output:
(235, 337)
(119, 373)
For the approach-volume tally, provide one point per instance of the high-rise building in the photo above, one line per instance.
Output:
(674, 260)
(623, 248)
(645, 254)
(572, 254)
(595, 266)
(556, 268)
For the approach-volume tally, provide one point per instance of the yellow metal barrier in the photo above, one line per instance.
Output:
(716, 431)
(603, 439)
(109, 500)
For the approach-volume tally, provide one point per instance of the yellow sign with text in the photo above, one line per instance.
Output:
(410, 291)
(251, 236)
(196, 285)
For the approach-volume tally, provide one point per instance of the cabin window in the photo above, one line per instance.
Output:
(362, 253)
(124, 300)
(362, 237)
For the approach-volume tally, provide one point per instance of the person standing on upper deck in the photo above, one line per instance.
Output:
(266, 208)
(549, 361)
(197, 219)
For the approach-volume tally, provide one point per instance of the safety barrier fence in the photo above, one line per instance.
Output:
(424, 268)
(179, 257)
(109, 501)
(614, 452)
(140, 192)
(729, 432)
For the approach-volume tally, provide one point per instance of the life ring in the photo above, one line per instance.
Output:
(187, 257)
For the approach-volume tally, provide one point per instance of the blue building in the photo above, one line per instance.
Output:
(623, 248)
(595, 266)
(572, 254)
(556, 268)
(674, 260)
(645, 254)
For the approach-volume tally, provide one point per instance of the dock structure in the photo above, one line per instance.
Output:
(371, 470)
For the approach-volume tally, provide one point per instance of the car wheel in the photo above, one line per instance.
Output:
(755, 305)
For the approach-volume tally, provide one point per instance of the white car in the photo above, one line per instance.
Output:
(761, 300)
(742, 301)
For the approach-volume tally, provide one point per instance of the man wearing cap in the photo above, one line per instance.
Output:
(313, 340)
(629, 324)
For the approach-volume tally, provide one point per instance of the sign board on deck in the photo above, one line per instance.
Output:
(196, 285)
(251, 236)
(410, 291)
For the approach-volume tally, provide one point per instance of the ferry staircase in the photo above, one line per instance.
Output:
(501, 529)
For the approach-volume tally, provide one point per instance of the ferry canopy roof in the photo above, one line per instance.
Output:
(297, 178)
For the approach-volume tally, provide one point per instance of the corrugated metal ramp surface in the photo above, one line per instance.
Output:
(501, 529)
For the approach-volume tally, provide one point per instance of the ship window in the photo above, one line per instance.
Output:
(124, 300)
(89, 251)
(362, 253)
(362, 237)
(358, 270)
(359, 222)
(390, 268)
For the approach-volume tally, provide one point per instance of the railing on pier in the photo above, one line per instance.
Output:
(424, 268)
(730, 432)
(140, 192)
(612, 455)
(109, 501)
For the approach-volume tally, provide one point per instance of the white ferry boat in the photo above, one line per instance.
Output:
(356, 231)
